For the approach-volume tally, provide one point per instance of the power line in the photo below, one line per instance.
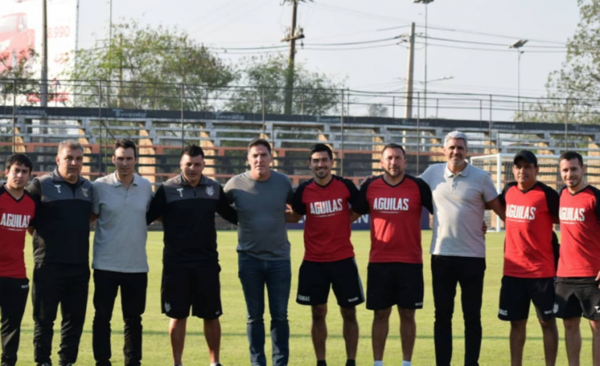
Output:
(485, 43)
(487, 49)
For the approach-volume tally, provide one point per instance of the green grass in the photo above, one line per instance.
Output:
(234, 349)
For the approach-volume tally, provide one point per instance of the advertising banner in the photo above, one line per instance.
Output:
(21, 23)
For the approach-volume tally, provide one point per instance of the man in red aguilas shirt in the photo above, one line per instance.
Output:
(17, 210)
(329, 255)
(394, 200)
(577, 290)
(529, 259)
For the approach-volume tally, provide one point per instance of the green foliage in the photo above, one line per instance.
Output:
(573, 91)
(377, 110)
(17, 79)
(314, 93)
(150, 64)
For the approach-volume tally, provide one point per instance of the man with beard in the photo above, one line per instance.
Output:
(120, 203)
(394, 200)
(187, 205)
(460, 194)
(17, 211)
(577, 285)
(329, 255)
(61, 250)
(529, 257)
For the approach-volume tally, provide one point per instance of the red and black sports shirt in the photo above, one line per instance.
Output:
(580, 233)
(327, 226)
(15, 217)
(528, 245)
(395, 218)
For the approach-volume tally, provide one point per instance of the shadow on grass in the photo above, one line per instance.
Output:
(331, 336)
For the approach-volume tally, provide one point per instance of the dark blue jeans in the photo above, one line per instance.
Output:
(276, 275)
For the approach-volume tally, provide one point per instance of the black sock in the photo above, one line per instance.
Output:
(351, 363)
(322, 363)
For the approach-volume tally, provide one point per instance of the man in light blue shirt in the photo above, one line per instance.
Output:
(121, 200)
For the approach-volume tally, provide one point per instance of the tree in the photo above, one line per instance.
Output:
(145, 67)
(572, 92)
(377, 110)
(17, 80)
(314, 93)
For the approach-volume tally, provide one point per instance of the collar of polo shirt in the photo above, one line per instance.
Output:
(116, 182)
(463, 173)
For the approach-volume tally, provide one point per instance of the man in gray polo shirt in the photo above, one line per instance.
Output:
(260, 196)
(120, 203)
(460, 194)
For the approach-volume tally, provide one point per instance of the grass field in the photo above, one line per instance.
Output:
(234, 349)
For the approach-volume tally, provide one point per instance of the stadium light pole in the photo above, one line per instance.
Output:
(425, 2)
(517, 46)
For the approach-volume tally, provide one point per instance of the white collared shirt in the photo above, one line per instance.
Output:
(121, 230)
(458, 205)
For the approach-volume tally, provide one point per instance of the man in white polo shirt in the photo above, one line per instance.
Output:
(121, 200)
(460, 193)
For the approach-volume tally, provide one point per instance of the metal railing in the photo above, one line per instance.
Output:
(271, 100)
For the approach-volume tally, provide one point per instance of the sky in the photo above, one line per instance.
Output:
(468, 39)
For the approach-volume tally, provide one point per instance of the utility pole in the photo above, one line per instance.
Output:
(293, 35)
(409, 77)
(44, 88)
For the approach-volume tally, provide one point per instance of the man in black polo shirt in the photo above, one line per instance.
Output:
(187, 205)
(60, 249)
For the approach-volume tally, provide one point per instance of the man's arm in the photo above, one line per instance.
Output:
(95, 203)
(497, 207)
(224, 209)
(298, 208)
(291, 216)
(35, 190)
(157, 206)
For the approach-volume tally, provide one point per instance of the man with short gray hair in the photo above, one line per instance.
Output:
(460, 195)
(60, 249)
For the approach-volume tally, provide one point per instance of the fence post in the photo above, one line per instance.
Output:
(182, 130)
(14, 113)
(418, 132)
(567, 124)
(342, 137)
(490, 125)
(100, 126)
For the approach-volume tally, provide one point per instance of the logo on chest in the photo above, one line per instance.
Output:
(326, 207)
(391, 204)
(210, 190)
(572, 214)
(520, 212)
(15, 221)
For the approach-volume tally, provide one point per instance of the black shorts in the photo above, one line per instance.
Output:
(576, 296)
(390, 284)
(316, 278)
(196, 287)
(516, 295)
